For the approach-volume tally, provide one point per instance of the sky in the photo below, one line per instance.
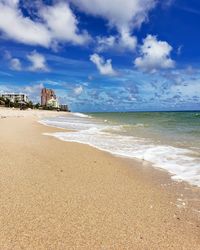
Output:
(103, 55)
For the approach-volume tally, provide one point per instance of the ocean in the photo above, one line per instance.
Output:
(168, 140)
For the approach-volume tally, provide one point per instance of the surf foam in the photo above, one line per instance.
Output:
(180, 162)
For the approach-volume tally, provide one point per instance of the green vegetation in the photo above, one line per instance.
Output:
(37, 106)
(49, 108)
(2, 101)
(22, 105)
(16, 104)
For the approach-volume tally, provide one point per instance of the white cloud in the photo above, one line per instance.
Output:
(127, 41)
(15, 26)
(11, 3)
(4, 88)
(62, 24)
(38, 62)
(78, 90)
(104, 43)
(179, 50)
(15, 64)
(32, 89)
(104, 66)
(119, 13)
(124, 15)
(154, 55)
(188, 90)
(122, 42)
(53, 25)
(7, 55)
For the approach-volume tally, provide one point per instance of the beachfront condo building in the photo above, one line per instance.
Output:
(64, 107)
(16, 97)
(49, 100)
(47, 96)
(53, 103)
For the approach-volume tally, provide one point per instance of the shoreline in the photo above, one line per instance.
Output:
(135, 142)
(57, 194)
(187, 194)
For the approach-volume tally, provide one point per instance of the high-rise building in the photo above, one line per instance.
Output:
(46, 96)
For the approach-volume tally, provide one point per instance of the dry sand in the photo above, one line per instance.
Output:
(59, 195)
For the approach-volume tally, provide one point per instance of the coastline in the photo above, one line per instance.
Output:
(172, 147)
(57, 194)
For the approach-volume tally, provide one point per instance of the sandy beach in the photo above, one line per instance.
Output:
(60, 195)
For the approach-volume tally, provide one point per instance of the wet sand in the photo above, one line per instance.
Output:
(59, 195)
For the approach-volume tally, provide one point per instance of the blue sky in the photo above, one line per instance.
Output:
(103, 55)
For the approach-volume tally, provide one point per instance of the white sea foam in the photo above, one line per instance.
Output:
(180, 162)
(80, 115)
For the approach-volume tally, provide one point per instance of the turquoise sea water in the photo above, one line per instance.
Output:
(169, 140)
(176, 128)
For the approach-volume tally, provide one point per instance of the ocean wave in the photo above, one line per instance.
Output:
(197, 115)
(124, 128)
(182, 163)
(137, 125)
(81, 115)
(177, 161)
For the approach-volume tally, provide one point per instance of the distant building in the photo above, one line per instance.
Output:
(46, 96)
(64, 107)
(49, 100)
(53, 103)
(15, 97)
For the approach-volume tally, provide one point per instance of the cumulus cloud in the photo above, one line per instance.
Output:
(119, 13)
(62, 23)
(127, 41)
(15, 26)
(11, 3)
(124, 15)
(78, 90)
(32, 89)
(104, 43)
(104, 66)
(38, 62)
(15, 64)
(54, 24)
(154, 55)
(120, 42)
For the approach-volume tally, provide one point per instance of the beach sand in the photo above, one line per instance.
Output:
(60, 195)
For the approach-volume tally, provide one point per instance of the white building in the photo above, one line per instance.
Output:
(53, 103)
(13, 97)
